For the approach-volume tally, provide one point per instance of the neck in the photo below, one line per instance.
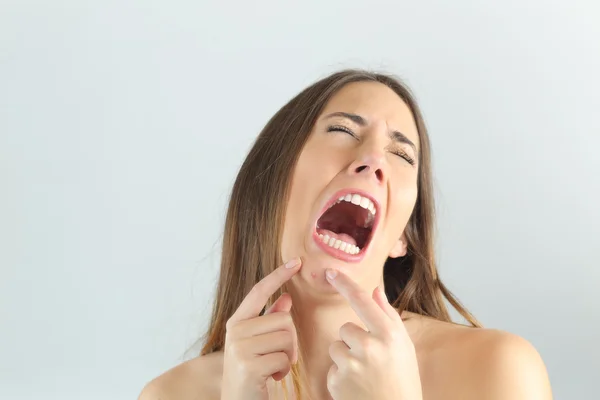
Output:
(318, 318)
(318, 322)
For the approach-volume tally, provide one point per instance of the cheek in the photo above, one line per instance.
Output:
(405, 198)
(312, 173)
(403, 189)
(303, 192)
(300, 191)
(402, 201)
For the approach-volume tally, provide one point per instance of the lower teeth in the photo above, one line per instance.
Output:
(339, 244)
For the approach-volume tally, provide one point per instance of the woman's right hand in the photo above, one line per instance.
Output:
(259, 347)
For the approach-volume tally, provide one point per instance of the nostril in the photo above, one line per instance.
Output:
(367, 169)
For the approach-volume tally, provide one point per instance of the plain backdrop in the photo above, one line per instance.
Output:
(123, 125)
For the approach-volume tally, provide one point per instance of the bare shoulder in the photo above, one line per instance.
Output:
(502, 366)
(476, 363)
(199, 378)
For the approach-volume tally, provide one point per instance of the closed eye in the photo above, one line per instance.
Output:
(338, 128)
(403, 154)
(399, 153)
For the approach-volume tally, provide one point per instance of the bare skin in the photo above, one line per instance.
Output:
(354, 344)
(455, 362)
(452, 361)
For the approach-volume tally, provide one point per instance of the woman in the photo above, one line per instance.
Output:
(338, 184)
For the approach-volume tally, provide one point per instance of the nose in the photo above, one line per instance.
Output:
(369, 163)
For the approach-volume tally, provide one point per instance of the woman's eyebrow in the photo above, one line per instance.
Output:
(357, 119)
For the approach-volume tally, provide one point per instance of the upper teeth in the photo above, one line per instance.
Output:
(362, 201)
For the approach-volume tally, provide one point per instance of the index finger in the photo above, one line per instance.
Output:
(360, 301)
(258, 296)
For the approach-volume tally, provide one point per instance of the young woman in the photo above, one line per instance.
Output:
(338, 185)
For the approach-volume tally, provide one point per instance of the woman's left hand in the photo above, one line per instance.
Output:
(380, 363)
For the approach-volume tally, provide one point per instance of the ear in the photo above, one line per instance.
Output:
(400, 248)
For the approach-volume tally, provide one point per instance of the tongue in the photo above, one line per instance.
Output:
(341, 236)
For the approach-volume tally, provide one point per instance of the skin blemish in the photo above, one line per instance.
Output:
(314, 275)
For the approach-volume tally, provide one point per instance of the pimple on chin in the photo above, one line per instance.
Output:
(314, 275)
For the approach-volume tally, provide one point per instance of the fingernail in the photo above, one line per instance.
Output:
(331, 273)
(292, 263)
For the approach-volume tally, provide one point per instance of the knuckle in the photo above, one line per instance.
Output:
(258, 290)
(289, 336)
(375, 350)
(283, 358)
(333, 382)
(352, 366)
(232, 331)
(368, 345)
(229, 325)
(285, 337)
(287, 319)
(392, 335)
(283, 319)
(279, 360)
(333, 379)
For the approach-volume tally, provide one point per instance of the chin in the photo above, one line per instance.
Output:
(311, 280)
(314, 266)
(316, 261)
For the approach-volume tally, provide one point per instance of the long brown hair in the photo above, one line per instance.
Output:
(254, 221)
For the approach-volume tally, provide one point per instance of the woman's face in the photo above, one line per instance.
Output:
(354, 186)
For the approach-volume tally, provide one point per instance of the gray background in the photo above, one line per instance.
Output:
(123, 124)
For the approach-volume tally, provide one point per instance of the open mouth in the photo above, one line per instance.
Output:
(347, 225)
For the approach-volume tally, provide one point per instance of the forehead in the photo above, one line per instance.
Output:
(377, 103)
